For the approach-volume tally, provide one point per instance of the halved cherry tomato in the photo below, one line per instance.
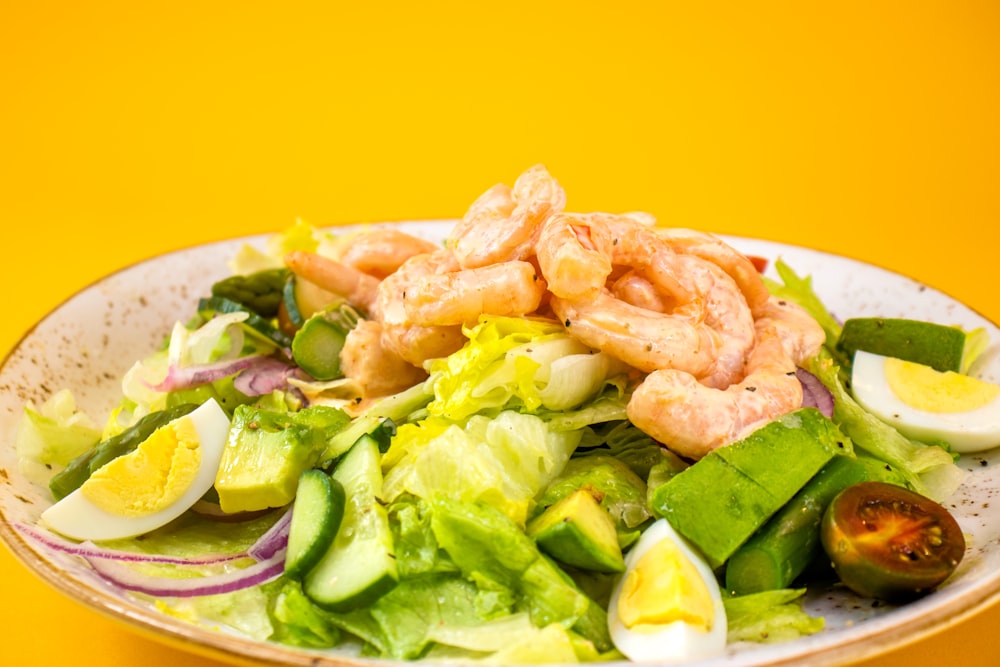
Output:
(887, 542)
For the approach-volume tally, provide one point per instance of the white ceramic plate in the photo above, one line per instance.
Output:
(87, 343)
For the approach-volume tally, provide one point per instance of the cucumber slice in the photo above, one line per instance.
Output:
(316, 518)
(360, 564)
(317, 344)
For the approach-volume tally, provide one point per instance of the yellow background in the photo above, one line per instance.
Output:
(129, 129)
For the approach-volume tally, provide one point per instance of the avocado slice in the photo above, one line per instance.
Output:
(268, 450)
(722, 499)
(577, 531)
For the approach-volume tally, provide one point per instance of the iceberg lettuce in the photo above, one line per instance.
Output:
(518, 363)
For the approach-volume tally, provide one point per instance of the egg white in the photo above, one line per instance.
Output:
(967, 431)
(75, 516)
(677, 641)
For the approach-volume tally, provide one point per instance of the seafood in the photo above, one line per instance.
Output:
(357, 287)
(379, 252)
(459, 297)
(800, 334)
(574, 254)
(632, 288)
(413, 342)
(503, 223)
(692, 419)
(378, 370)
(644, 339)
(712, 248)
(715, 353)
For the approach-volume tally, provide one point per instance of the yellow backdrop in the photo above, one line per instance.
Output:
(131, 128)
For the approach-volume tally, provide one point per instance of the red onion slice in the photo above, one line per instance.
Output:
(273, 540)
(814, 392)
(193, 376)
(90, 550)
(126, 577)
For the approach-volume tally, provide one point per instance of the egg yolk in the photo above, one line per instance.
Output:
(926, 389)
(663, 587)
(152, 476)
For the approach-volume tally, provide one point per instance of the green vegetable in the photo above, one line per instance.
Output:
(769, 617)
(943, 348)
(505, 461)
(83, 466)
(262, 327)
(317, 344)
(259, 292)
(785, 546)
(721, 500)
(577, 531)
(512, 362)
(621, 492)
(928, 469)
(360, 564)
(51, 435)
(267, 451)
(316, 518)
(490, 548)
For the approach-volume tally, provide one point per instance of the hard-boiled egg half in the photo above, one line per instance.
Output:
(928, 405)
(150, 486)
(667, 606)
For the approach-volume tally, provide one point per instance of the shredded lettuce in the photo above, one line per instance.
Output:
(504, 461)
(51, 435)
(511, 362)
(769, 616)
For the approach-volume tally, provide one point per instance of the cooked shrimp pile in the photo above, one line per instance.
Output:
(716, 354)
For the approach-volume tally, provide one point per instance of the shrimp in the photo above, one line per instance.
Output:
(503, 223)
(724, 310)
(459, 297)
(712, 248)
(641, 338)
(413, 342)
(357, 287)
(632, 288)
(574, 254)
(692, 419)
(379, 252)
(378, 370)
(800, 334)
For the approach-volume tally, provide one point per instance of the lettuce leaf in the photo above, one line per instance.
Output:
(769, 616)
(928, 469)
(518, 363)
(51, 435)
(504, 461)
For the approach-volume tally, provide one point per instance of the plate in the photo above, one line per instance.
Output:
(89, 341)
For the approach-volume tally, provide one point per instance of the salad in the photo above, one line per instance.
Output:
(473, 485)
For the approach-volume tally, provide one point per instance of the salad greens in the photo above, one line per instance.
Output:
(518, 418)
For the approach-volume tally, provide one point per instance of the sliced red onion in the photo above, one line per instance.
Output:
(273, 540)
(263, 377)
(192, 376)
(90, 550)
(814, 392)
(128, 578)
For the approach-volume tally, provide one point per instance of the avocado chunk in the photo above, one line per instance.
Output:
(268, 450)
(577, 531)
(619, 490)
(721, 500)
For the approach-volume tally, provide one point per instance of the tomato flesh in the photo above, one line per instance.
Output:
(887, 542)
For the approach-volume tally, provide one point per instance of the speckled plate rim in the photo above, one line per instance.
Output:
(974, 587)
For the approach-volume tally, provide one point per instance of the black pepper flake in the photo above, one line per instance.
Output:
(566, 324)
(751, 388)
